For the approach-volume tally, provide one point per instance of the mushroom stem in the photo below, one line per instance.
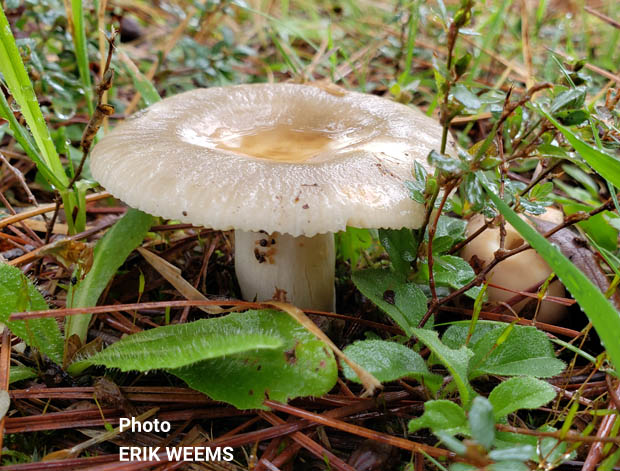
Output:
(278, 266)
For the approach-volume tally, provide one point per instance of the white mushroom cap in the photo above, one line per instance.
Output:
(289, 158)
(518, 272)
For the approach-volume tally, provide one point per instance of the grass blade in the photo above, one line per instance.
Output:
(16, 77)
(606, 165)
(143, 85)
(25, 141)
(109, 254)
(599, 310)
(81, 51)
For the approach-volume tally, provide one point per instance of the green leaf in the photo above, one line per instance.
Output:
(516, 453)
(109, 254)
(599, 310)
(467, 98)
(569, 100)
(18, 293)
(25, 141)
(526, 351)
(606, 165)
(449, 231)
(482, 422)
(174, 346)
(441, 416)
(509, 466)
(20, 86)
(302, 366)
(404, 302)
(445, 163)
(449, 270)
(19, 373)
(597, 226)
(401, 246)
(386, 361)
(520, 393)
(351, 243)
(456, 361)
(147, 90)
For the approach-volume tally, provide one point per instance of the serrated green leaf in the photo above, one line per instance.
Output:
(520, 393)
(302, 366)
(441, 416)
(404, 302)
(482, 422)
(18, 293)
(387, 361)
(456, 361)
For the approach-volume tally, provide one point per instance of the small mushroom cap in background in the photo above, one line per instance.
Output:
(290, 158)
(519, 272)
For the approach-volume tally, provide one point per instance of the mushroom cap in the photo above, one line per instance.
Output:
(290, 158)
(518, 272)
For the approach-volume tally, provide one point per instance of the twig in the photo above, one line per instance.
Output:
(5, 369)
(599, 15)
(46, 208)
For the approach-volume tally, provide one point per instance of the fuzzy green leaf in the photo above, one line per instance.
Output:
(456, 361)
(404, 302)
(17, 293)
(302, 366)
(481, 422)
(174, 346)
(386, 361)
(520, 393)
(441, 416)
(525, 351)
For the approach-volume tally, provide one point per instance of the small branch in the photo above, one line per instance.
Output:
(431, 235)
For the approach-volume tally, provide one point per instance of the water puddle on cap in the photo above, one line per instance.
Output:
(281, 143)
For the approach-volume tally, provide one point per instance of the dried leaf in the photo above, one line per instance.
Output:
(172, 274)
(71, 252)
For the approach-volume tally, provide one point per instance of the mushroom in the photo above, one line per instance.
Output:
(284, 165)
(519, 272)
